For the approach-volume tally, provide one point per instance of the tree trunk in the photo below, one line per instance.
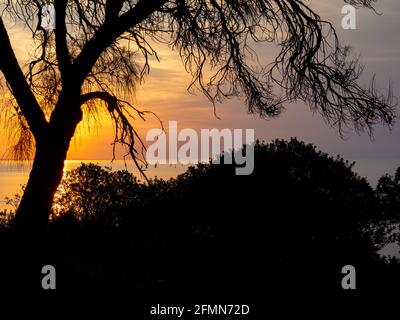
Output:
(51, 151)
(46, 174)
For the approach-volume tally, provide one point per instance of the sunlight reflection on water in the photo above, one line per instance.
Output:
(15, 174)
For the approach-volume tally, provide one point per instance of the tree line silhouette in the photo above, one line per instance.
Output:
(289, 227)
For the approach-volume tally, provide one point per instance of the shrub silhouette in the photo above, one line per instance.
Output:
(291, 225)
(388, 193)
(288, 228)
(387, 223)
(91, 190)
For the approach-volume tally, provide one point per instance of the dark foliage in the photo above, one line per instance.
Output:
(388, 192)
(386, 226)
(288, 228)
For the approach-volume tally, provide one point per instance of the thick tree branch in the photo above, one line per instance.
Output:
(19, 86)
(62, 51)
(109, 32)
(113, 8)
(104, 96)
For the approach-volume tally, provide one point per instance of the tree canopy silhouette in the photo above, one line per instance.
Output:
(300, 216)
(100, 50)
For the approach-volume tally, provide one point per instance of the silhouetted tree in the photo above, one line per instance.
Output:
(388, 192)
(90, 190)
(289, 227)
(100, 50)
(386, 226)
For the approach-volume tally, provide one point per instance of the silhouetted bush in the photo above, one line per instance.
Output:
(289, 227)
(388, 193)
(90, 190)
(387, 222)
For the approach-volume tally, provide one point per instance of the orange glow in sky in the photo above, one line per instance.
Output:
(164, 92)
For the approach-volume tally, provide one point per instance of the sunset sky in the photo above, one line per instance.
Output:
(164, 92)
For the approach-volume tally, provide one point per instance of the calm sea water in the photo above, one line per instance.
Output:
(13, 174)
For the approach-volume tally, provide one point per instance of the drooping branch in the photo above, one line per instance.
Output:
(311, 65)
(322, 73)
(125, 134)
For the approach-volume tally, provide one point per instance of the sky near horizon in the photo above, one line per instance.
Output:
(164, 92)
